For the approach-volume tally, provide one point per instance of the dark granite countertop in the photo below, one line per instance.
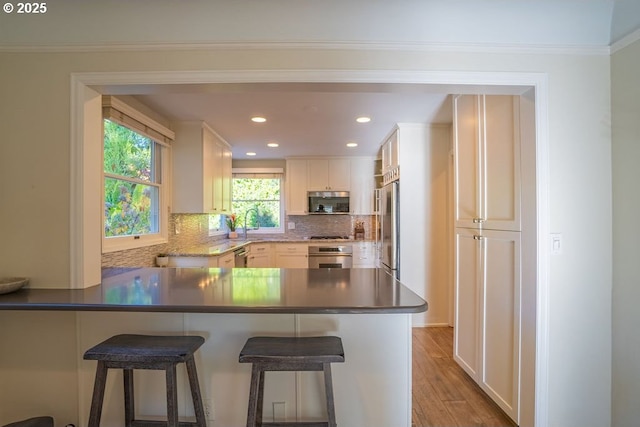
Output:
(237, 290)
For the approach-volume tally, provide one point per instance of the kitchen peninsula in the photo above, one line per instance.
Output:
(366, 307)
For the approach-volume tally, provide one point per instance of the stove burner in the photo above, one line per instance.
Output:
(329, 237)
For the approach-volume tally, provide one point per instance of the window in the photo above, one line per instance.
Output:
(134, 162)
(258, 196)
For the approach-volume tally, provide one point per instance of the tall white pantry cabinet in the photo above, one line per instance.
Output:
(487, 246)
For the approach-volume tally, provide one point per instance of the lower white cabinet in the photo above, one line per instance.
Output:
(260, 256)
(364, 255)
(487, 338)
(227, 261)
(291, 255)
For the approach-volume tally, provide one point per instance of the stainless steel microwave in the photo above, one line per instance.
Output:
(328, 202)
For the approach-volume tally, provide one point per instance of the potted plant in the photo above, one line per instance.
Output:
(162, 260)
(232, 223)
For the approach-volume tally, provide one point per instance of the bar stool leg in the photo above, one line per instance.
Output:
(254, 416)
(198, 407)
(129, 405)
(328, 390)
(172, 396)
(98, 395)
(260, 398)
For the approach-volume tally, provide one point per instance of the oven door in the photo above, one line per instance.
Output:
(330, 261)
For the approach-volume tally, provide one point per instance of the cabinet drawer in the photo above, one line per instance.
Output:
(259, 248)
(292, 248)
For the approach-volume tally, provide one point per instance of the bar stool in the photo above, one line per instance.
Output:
(129, 352)
(290, 354)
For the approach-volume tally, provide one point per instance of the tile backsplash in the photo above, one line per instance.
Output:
(188, 230)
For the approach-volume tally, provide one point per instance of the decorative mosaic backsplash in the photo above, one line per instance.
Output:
(188, 230)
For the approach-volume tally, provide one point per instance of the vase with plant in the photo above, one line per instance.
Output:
(232, 223)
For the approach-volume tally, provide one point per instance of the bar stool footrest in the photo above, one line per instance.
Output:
(159, 423)
(298, 424)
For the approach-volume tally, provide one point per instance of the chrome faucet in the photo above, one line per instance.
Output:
(245, 220)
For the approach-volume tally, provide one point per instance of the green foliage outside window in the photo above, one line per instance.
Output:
(262, 194)
(130, 196)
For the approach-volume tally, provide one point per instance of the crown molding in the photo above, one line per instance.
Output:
(625, 41)
(314, 45)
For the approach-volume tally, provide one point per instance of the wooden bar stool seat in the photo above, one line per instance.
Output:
(290, 354)
(129, 352)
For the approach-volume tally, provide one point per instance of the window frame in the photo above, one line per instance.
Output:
(257, 172)
(124, 115)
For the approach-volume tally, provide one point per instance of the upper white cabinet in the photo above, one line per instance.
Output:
(391, 158)
(201, 170)
(296, 184)
(487, 162)
(353, 174)
(328, 174)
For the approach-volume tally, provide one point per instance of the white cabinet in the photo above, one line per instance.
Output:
(353, 174)
(296, 184)
(201, 170)
(390, 153)
(364, 255)
(328, 174)
(227, 260)
(487, 162)
(488, 322)
(362, 186)
(291, 255)
(260, 256)
(487, 252)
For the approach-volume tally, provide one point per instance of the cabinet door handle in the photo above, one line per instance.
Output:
(476, 237)
(478, 220)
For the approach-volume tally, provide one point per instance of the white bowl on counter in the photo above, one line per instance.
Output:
(12, 284)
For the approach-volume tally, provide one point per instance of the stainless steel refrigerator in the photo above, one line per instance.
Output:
(390, 228)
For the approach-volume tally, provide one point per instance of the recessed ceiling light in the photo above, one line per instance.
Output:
(251, 153)
(273, 144)
(258, 119)
(352, 144)
(363, 119)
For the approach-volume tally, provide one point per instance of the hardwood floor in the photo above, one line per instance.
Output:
(443, 394)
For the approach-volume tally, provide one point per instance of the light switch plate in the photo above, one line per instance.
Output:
(556, 243)
(291, 225)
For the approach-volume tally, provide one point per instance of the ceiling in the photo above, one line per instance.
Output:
(305, 119)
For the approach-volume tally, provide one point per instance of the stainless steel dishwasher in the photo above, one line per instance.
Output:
(241, 257)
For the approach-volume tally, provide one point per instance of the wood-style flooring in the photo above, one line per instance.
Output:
(443, 394)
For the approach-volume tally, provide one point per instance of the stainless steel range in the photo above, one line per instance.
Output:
(330, 256)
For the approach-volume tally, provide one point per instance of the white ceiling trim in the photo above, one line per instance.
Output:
(625, 41)
(309, 76)
(293, 45)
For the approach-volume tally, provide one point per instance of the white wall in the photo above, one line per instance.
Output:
(38, 366)
(425, 236)
(471, 21)
(625, 77)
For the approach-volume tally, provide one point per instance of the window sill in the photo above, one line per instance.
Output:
(129, 242)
